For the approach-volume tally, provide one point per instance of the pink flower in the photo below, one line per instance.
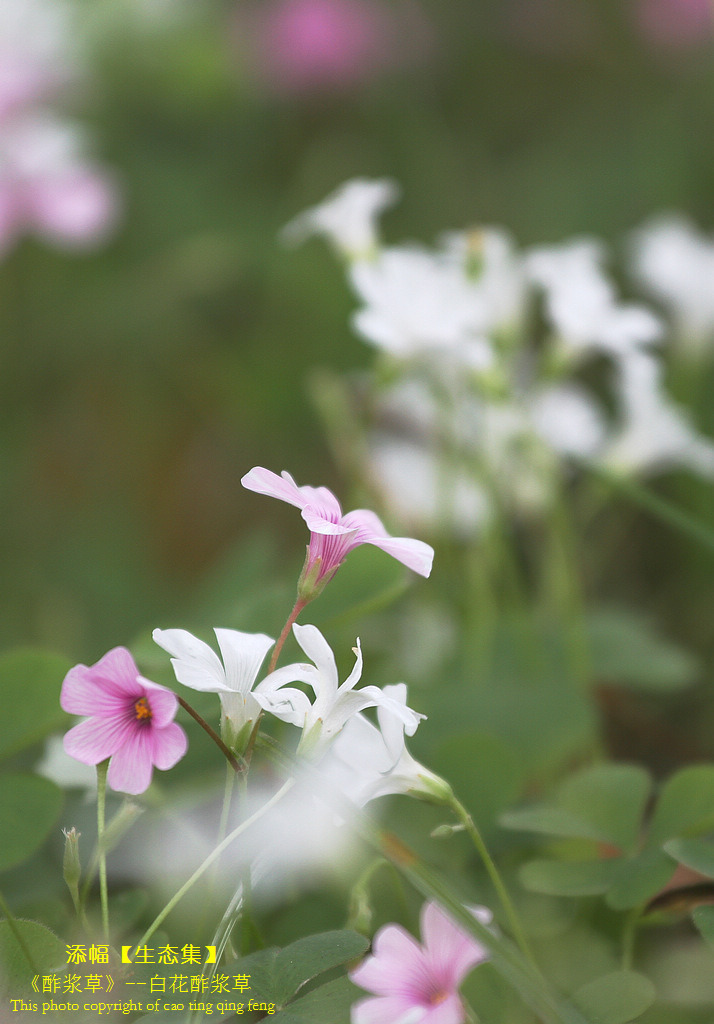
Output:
(131, 721)
(332, 534)
(47, 186)
(675, 23)
(418, 984)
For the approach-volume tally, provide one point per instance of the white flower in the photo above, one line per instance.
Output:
(347, 218)
(422, 490)
(322, 719)
(366, 762)
(568, 421)
(57, 766)
(416, 302)
(197, 666)
(654, 434)
(580, 301)
(676, 265)
(488, 257)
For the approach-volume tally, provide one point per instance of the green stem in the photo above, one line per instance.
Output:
(211, 858)
(477, 839)
(629, 933)
(101, 797)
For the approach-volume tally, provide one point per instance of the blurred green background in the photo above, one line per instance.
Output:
(139, 382)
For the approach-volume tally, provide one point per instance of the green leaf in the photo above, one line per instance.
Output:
(697, 854)
(276, 975)
(685, 806)
(615, 998)
(328, 1004)
(703, 918)
(29, 807)
(640, 879)
(48, 954)
(570, 878)
(625, 649)
(30, 682)
(554, 821)
(612, 798)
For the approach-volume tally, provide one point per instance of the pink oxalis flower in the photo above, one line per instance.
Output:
(332, 534)
(416, 984)
(130, 721)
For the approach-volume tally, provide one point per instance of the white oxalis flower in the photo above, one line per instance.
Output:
(417, 302)
(198, 666)
(675, 263)
(347, 218)
(581, 304)
(365, 762)
(333, 705)
(654, 434)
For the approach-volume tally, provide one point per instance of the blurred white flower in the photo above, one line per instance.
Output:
(654, 434)
(675, 263)
(48, 187)
(416, 303)
(36, 51)
(197, 666)
(366, 762)
(347, 218)
(580, 301)
(422, 490)
(333, 704)
(568, 420)
(57, 766)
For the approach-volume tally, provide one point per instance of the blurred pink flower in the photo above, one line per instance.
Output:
(416, 983)
(48, 188)
(300, 45)
(130, 721)
(675, 23)
(332, 534)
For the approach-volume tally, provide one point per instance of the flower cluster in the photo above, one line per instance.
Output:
(487, 396)
(130, 718)
(47, 184)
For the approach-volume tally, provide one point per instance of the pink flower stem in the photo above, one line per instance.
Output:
(297, 608)
(230, 757)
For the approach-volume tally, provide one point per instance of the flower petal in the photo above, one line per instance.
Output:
(131, 767)
(195, 663)
(163, 703)
(389, 1010)
(320, 653)
(415, 554)
(242, 654)
(96, 739)
(168, 745)
(101, 689)
(397, 964)
(450, 950)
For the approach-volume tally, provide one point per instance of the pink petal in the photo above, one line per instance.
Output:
(264, 481)
(76, 209)
(317, 523)
(397, 963)
(450, 950)
(415, 554)
(284, 487)
(163, 703)
(448, 1011)
(169, 746)
(387, 1010)
(104, 688)
(131, 766)
(96, 739)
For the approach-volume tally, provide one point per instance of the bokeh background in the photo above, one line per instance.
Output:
(141, 377)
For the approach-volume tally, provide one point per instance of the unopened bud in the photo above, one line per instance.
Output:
(71, 867)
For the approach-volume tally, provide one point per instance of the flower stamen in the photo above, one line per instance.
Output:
(142, 710)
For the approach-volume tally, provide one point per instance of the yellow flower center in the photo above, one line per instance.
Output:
(142, 709)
